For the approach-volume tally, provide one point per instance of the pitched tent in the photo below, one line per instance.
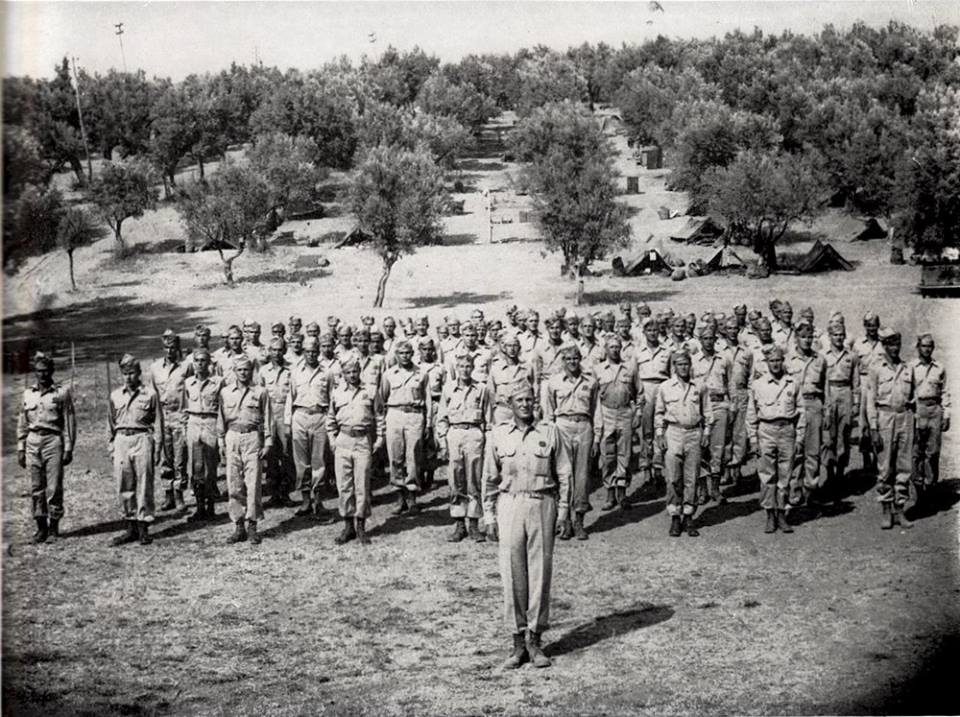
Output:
(354, 237)
(823, 257)
(699, 230)
(873, 230)
(725, 259)
(650, 261)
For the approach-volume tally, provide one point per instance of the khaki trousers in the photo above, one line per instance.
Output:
(203, 455)
(838, 416)
(649, 456)
(45, 465)
(737, 442)
(805, 474)
(405, 448)
(526, 523)
(244, 486)
(310, 450)
(354, 460)
(681, 466)
(465, 471)
(776, 446)
(133, 473)
(895, 460)
(173, 460)
(926, 448)
(578, 437)
(616, 444)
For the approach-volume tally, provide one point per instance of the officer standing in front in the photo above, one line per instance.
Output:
(46, 433)
(526, 491)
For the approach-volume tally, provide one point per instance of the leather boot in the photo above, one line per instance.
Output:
(200, 514)
(519, 654)
(676, 526)
(886, 520)
(252, 535)
(611, 502)
(360, 527)
(566, 530)
(481, 536)
(713, 484)
(239, 533)
(130, 536)
(783, 523)
(53, 529)
(459, 532)
(144, 533)
(211, 508)
(178, 499)
(535, 651)
(578, 529)
(323, 516)
(401, 506)
(306, 506)
(659, 482)
(900, 519)
(620, 495)
(169, 502)
(688, 526)
(412, 506)
(771, 521)
(42, 533)
(348, 533)
(472, 529)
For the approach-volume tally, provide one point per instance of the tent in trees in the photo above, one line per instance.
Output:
(821, 257)
(354, 237)
(699, 230)
(872, 230)
(725, 259)
(650, 261)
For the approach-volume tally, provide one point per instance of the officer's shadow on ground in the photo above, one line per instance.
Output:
(424, 517)
(939, 499)
(182, 527)
(731, 510)
(108, 526)
(606, 626)
(619, 517)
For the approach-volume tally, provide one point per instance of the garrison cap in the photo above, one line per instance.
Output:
(405, 344)
(254, 326)
(887, 334)
(764, 321)
(362, 332)
(278, 343)
(350, 364)
(511, 310)
(649, 321)
(806, 311)
(625, 307)
(755, 314)
(571, 349)
(804, 329)
(169, 338)
(681, 354)
(773, 352)
(243, 361)
(643, 309)
(871, 318)
(128, 361)
(522, 389)
(776, 305)
(42, 360)
(740, 309)
(424, 342)
(234, 329)
(278, 325)
(332, 321)
(201, 330)
(313, 327)
(201, 353)
(613, 338)
(709, 331)
(311, 344)
(295, 320)
(367, 320)
(345, 330)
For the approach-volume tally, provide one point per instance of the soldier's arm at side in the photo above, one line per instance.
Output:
(856, 388)
(22, 428)
(331, 424)
(564, 468)
(945, 400)
(548, 402)
(266, 410)
(491, 482)
(753, 420)
(870, 396)
(659, 411)
(69, 422)
(443, 421)
(801, 417)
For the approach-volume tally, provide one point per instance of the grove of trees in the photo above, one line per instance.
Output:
(759, 129)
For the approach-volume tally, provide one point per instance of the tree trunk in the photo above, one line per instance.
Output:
(228, 265)
(382, 285)
(121, 245)
(200, 164)
(73, 281)
(77, 166)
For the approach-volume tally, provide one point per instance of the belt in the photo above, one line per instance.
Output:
(407, 408)
(658, 379)
(890, 409)
(777, 421)
(717, 396)
(814, 394)
(671, 424)
(355, 432)
(538, 494)
(311, 410)
(132, 431)
(839, 383)
(576, 418)
(201, 414)
(243, 429)
(929, 401)
(464, 425)
(43, 431)
(171, 408)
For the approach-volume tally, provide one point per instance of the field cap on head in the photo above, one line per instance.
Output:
(571, 349)
(887, 334)
(248, 323)
(804, 328)
(349, 364)
(708, 331)
(128, 361)
(754, 314)
(367, 320)
(233, 329)
(42, 360)
(277, 343)
(404, 344)
(201, 330)
(764, 321)
(522, 389)
(169, 338)
(871, 318)
(649, 321)
(424, 342)
(806, 311)
(643, 309)
(740, 309)
(681, 354)
(201, 353)
(775, 305)
(313, 326)
(278, 325)
(294, 320)
(773, 352)
(613, 339)
(311, 343)
(243, 361)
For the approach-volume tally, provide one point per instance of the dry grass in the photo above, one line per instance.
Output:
(838, 618)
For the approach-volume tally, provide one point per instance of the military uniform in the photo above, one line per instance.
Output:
(526, 490)
(462, 419)
(653, 368)
(591, 353)
(307, 404)
(136, 425)
(244, 428)
(810, 374)
(280, 467)
(741, 371)
(354, 421)
(776, 424)
(714, 374)
(618, 409)
(168, 379)
(503, 381)
(784, 336)
(841, 409)
(546, 362)
(406, 395)
(201, 404)
(867, 351)
(890, 396)
(681, 413)
(933, 409)
(46, 430)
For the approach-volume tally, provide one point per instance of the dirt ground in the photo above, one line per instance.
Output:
(837, 618)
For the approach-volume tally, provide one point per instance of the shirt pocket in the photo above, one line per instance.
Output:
(540, 461)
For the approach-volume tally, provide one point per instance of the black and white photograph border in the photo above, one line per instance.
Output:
(480, 358)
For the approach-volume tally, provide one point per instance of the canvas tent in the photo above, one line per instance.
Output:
(699, 230)
(822, 257)
(650, 261)
(872, 230)
(725, 259)
(354, 237)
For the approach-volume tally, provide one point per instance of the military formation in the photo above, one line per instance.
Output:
(526, 420)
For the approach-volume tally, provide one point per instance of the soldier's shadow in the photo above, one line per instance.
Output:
(618, 517)
(731, 510)
(425, 517)
(606, 626)
(942, 497)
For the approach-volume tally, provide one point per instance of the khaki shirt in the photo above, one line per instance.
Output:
(783, 335)
(468, 404)
(138, 410)
(774, 400)
(504, 378)
(867, 352)
(372, 367)
(564, 395)
(759, 352)
(547, 360)
(356, 408)
(842, 371)
(889, 385)
(482, 358)
(591, 354)
(202, 397)
(653, 363)
(168, 379)
(930, 380)
(618, 385)
(48, 409)
(741, 366)
(810, 373)
(525, 459)
(713, 373)
(245, 408)
(224, 362)
(310, 387)
(408, 388)
(277, 379)
(681, 403)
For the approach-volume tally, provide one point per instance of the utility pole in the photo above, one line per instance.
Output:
(83, 131)
(119, 34)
